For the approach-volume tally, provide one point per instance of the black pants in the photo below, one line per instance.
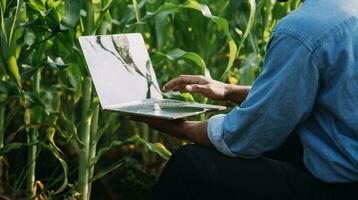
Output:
(196, 172)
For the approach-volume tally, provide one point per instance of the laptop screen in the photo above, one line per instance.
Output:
(120, 68)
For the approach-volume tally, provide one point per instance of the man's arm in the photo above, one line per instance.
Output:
(237, 93)
(281, 98)
(197, 132)
(194, 131)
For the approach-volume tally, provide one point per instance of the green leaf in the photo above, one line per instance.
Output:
(113, 118)
(16, 145)
(104, 16)
(187, 96)
(204, 9)
(179, 53)
(250, 24)
(279, 10)
(161, 28)
(165, 9)
(14, 24)
(223, 24)
(28, 71)
(104, 150)
(75, 76)
(136, 10)
(11, 115)
(14, 70)
(70, 129)
(158, 148)
(37, 113)
(32, 99)
(51, 137)
(107, 170)
(11, 147)
(57, 64)
(3, 93)
(62, 162)
(30, 37)
(249, 69)
(72, 13)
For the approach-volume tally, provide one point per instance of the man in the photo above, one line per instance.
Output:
(308, 87)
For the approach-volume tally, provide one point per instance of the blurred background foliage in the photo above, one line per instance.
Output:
(55, 140)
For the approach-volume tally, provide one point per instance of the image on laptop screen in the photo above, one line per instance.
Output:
(120, 68)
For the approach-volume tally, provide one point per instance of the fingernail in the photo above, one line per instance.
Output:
(189, 88)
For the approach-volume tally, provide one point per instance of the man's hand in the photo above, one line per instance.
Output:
(198, 84)
(194, 131)
(207, 87)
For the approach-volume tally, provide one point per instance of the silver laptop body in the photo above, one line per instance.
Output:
(125, 81)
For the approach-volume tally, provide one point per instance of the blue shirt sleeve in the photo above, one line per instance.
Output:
(281, 97)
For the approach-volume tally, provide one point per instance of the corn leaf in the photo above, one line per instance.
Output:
(51, 137)
(12, 146)
(56, 64)
(62, 162)
(71, 17)
(14, 70)
(113, 118)
(179, 53)
(108, 170)
(223, 24)
(136, 10)
(158, 148)
(204, 9)
(250, 24)
(249, 69)
(104, 150)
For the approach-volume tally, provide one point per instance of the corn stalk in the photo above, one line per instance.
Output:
(33, 139)
(84, 170)
(93, 144)
(90, 18)
(84, 136)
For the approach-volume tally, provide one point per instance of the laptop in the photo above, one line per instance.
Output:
(125, 81)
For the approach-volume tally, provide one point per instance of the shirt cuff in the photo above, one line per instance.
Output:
(215, 134)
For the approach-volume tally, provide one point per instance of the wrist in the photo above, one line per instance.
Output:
(227, 92)
(196, 131)
(236, 93)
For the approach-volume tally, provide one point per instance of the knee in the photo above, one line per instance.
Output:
(179, 175)
(181, 163)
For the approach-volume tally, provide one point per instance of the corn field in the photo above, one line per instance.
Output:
(56, 142)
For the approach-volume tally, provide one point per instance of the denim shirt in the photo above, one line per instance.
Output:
(308, 86)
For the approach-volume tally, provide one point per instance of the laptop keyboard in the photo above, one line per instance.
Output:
(155, 105)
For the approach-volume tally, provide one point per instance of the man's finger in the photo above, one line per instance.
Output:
(178, 88)
(184, 80)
